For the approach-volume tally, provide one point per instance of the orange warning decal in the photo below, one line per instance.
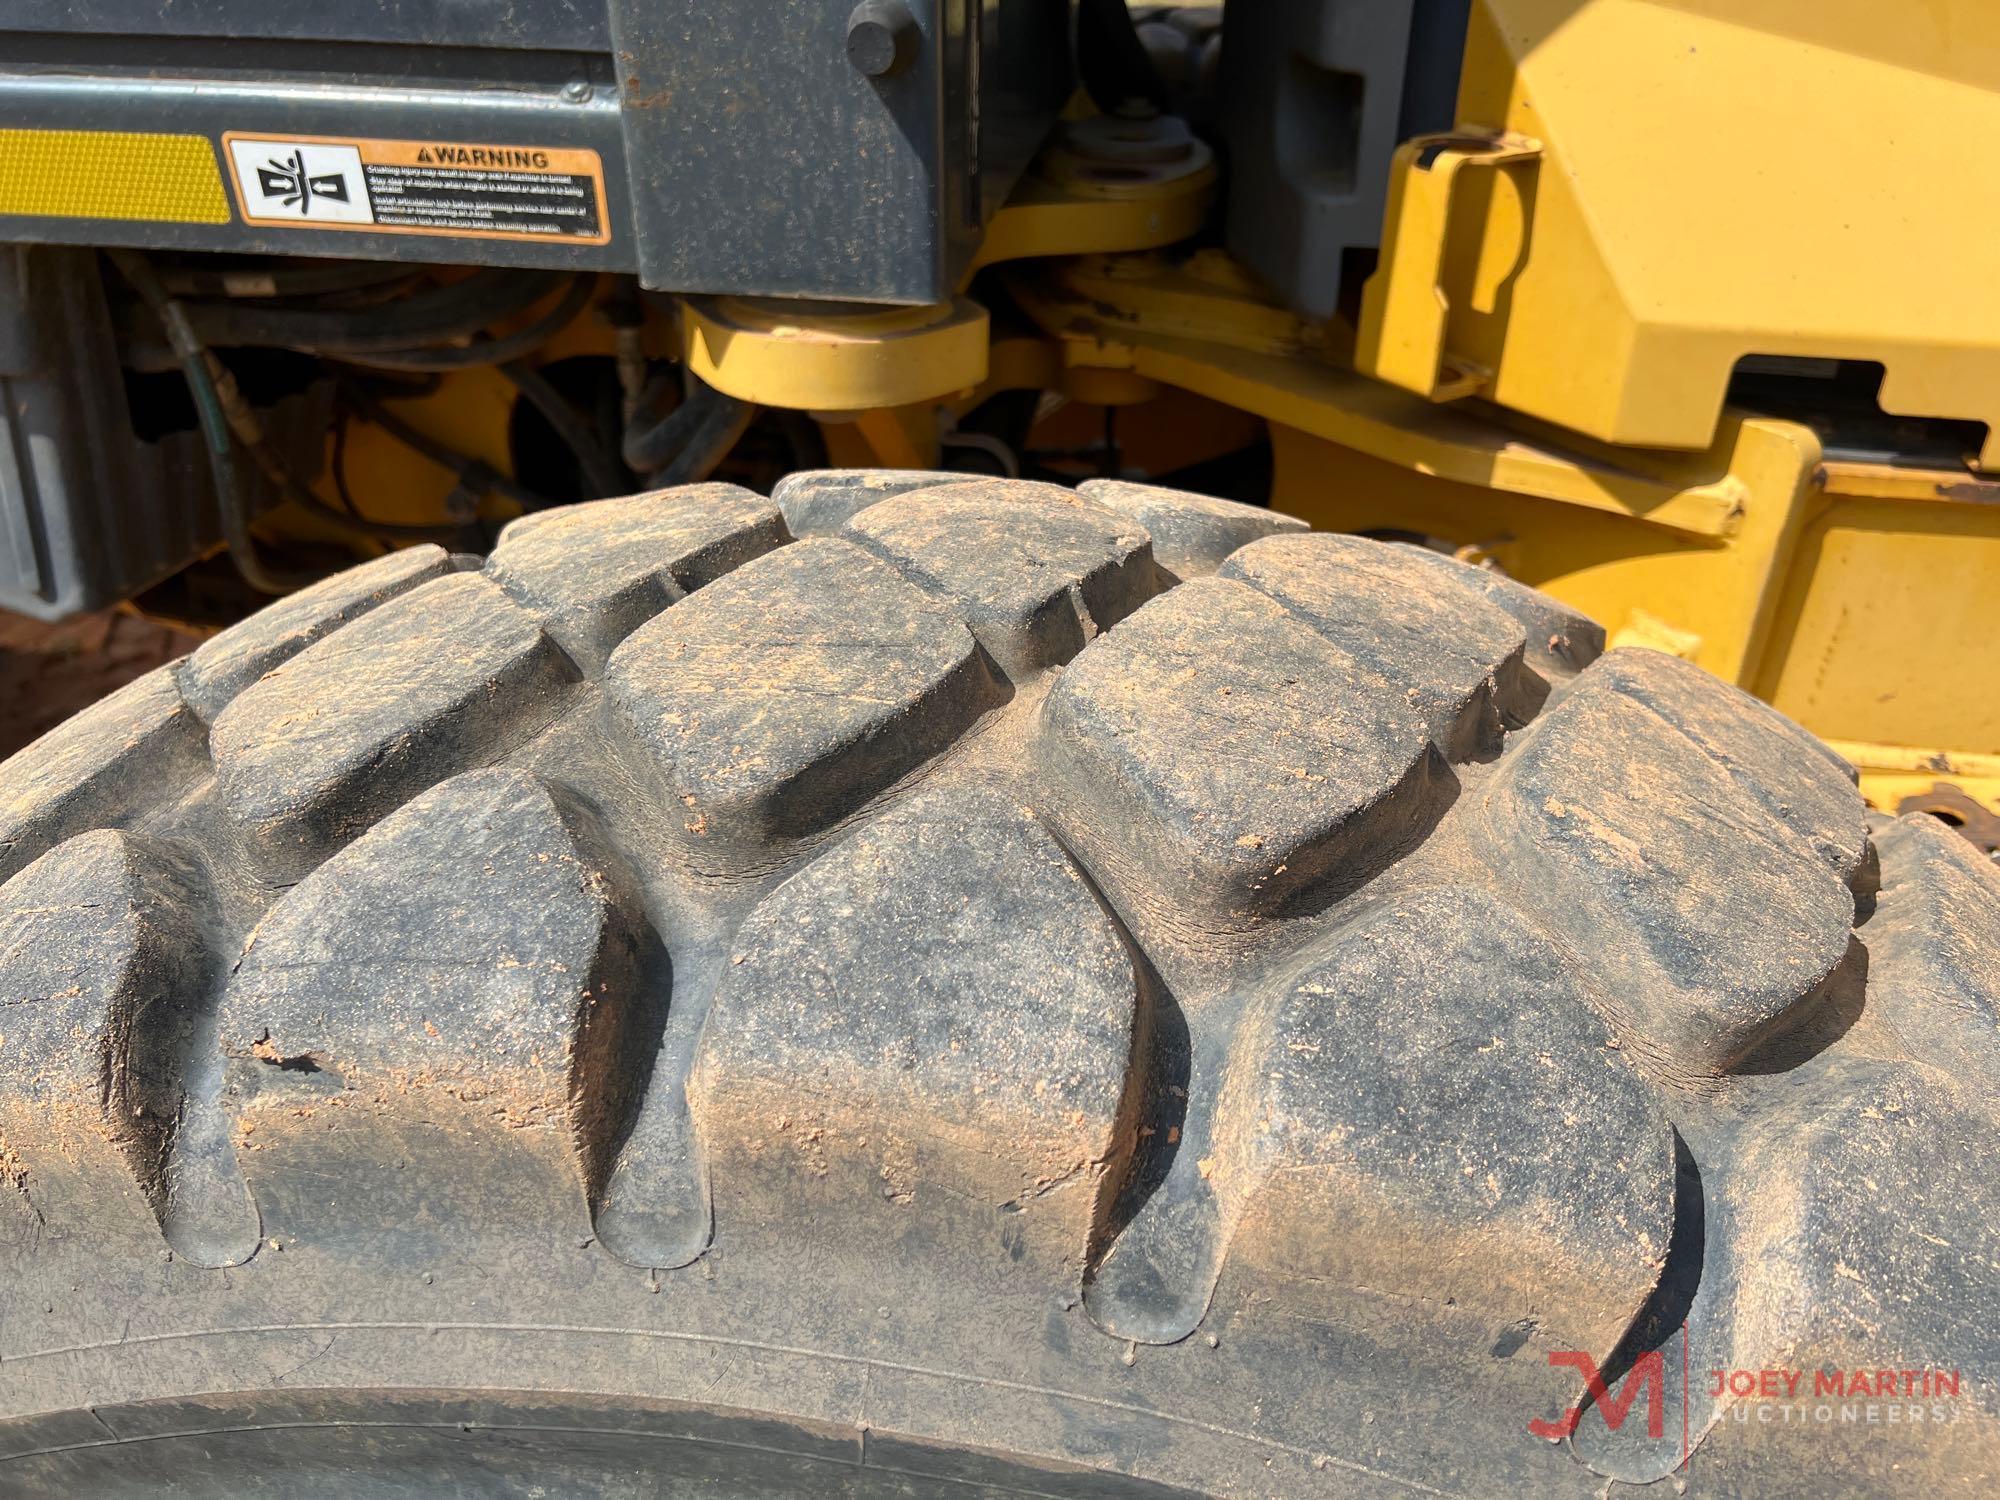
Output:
(468, 189)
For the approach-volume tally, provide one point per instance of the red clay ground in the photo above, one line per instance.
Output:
(48, 672)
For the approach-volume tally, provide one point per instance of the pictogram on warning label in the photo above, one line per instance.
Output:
(470, 189)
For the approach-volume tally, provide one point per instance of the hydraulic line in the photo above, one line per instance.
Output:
(599, 472)
(437, 315)
(225, 415)
(1112, 62)
(472, 472)
(709, 444)
(688, 442)
(312, 279)
(483, 350)
(395, 335)
(193, 358)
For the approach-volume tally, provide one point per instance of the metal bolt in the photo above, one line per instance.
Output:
(882, 38)
(577, 91)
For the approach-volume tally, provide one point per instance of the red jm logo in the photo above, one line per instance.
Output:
(1649, 1373)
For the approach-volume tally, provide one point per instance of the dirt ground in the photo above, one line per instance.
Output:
(48, 672)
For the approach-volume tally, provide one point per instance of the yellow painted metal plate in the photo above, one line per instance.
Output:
(1718, 178)
(1889, 626)
(111, 174)
(1196, 326)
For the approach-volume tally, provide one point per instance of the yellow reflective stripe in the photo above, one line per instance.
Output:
(111, 174)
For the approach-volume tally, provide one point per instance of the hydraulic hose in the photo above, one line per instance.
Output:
(437, 315)
(471, 471)
(312, 279)
(193, 358)
(599, 472)
(1112, 62)
(688, 442)
(710, 443)
(482, 350)
(226, 419)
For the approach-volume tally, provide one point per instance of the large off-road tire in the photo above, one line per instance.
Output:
(930, 988)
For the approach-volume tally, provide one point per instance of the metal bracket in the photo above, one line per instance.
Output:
(831, 356)
(1404, 311)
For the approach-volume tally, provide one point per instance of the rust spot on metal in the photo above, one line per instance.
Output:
(1971, 491)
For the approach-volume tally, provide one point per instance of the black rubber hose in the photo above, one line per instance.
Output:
(688, 442)
(193, 359)
(250, 434)
(721, 430)
(1112, 62)
(214, 395)
(312, 279)
(436, 316)
(654, 439)
(599, 472)
(487, 351)
(387, 531)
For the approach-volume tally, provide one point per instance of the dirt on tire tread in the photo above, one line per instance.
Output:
(961, 860)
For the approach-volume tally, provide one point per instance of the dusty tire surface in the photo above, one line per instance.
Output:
(920, 986)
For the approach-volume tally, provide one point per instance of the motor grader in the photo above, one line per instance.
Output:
(1003, 746)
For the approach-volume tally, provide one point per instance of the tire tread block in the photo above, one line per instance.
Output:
(106, 765)
(1852, 1234)
(1934, 948)
(443, 678)
(1191, 533)
(1034, 569)
(1706, 921)
(595, 572)
(1222, 756)
(224, 665)
(818, 502)
(1432, 1106)
(771, 704)
(1890, 1221)
(1561, 641)
(1803, 784)
(1457, 656)
(102, 968)
(941, 997)
(454, 993)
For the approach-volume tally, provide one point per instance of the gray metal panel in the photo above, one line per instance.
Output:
(765, 161)
(540, 116)
(743, 151)
(562, 24)
(1025, 78)
(1316, 95)
(89, 514)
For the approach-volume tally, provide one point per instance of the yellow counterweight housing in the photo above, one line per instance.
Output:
(1681, 183)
